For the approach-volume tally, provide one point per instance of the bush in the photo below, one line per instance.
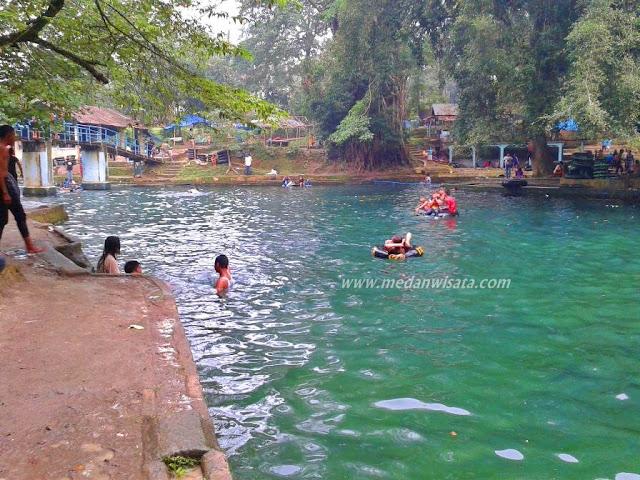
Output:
(293, 152)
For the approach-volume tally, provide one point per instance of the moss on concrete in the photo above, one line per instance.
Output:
(54, 214)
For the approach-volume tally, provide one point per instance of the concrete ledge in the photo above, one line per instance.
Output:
(73, 251)
(60, 262)
(214, 466)
(179, 433)
(156, 470)
(96, 186)
(602, 184)
(39, 191)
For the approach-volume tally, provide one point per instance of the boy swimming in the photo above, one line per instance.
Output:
(221, 266)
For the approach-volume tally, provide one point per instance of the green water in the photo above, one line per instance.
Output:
(295, 365)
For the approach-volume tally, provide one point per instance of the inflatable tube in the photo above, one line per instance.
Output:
(440, 215)
(514, 183)
(380, 252)
(74, 189)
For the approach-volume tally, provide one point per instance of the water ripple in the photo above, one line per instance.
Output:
(295, 368)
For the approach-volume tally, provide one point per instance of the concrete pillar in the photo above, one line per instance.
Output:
(95, 174)
(560, 147)
(473, 156)
(37, 164)
(142, 148)
(502, 148)
(450, 154)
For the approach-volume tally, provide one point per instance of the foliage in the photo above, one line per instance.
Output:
(146, 57)
(509, 61)
(180, 466)
(293, 152)
(602, 88)
(282, 43)
(355, 127)
(359, 88)
(524, 66)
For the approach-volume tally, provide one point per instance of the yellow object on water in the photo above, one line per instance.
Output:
(420, 250)
(400, 256)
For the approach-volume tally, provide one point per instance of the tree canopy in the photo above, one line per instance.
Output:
(147, 57)
(524, 66)
(356, 68)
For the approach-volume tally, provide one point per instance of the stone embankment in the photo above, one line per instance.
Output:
(98, 380)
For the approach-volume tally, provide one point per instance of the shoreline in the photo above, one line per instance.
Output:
(85, 393)
(621, 189)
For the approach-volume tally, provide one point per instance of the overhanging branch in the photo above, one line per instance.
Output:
(35, 26)
(88, 65)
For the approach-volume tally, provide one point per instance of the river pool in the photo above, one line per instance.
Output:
(307, 377)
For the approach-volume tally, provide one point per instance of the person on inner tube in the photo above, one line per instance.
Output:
(424, 205)
(398, 245)
(434, 204)
(449, 203)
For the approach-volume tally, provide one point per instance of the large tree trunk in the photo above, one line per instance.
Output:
(542, 161)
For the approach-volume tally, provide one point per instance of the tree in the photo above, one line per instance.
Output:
(282, 42)
(358, 92)
(146, 56)
(509, 61)
(602, 88)
(523, 66)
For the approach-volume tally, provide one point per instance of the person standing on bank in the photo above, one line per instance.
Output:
(11, 192)
(13, 163)
(508, 165)
(69, 170)
(247, 163)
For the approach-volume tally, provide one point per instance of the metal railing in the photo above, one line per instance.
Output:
(85, 135)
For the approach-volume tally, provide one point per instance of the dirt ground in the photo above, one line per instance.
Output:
(80, 386)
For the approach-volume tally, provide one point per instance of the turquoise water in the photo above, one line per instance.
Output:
(304, 376)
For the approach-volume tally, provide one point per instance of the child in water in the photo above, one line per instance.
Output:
(221, 266)
(133, 267)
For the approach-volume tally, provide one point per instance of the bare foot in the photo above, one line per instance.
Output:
(35, 250)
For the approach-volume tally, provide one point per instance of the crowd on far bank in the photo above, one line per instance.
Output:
(616, 162)
(620, 161)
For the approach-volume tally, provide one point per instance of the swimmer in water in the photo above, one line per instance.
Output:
(221, 266)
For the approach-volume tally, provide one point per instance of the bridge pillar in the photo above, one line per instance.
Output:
(474, 156)
(95, 169)
(37, 164)
(450, 154)
(501, 159)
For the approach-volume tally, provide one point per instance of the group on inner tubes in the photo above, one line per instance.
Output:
(287, 182)
(441, 204)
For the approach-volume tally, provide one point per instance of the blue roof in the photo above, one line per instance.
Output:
(568, 126)
(189, 121)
